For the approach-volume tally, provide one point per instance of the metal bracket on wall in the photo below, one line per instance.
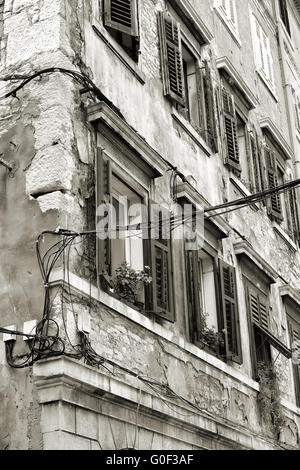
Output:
(11, 166)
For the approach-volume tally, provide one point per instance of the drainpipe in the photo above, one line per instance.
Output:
(287, 93)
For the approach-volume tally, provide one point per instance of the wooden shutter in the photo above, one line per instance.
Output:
(274, 203)
(254, 162)
(294, 332)
(210, 131)
(294, 222)
(230, 311)
(193, 289)
(160, 294)
(230, 125)
(103, 196)
(121, 15)
(171, 58)
(259, 308)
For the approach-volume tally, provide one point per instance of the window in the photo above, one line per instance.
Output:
(212, 295)
(258, 310)
(284, 15)
(227, 8)
(121, 19)
(191, 110)
(153, 250)
(126, 246)
(187, 80)
(262, 53)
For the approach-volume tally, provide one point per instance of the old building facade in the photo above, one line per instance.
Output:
(197, 102)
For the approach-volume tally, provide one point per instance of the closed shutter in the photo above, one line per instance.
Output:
(230, 311)
(274, 203)
(210, 132)
(160, 294)
(259, 309)
(171, 58)
(122, 16)
(230, 124)
(103, 196)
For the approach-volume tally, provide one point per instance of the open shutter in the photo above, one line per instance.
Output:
(230, 124)
(103, 196)
(230, 311)
(161, 301)
(193, 288)
(171, 58)
(121, 15)
(259, 309)
(293, 214)
(274, 203)
(210, 131)
(254, 160)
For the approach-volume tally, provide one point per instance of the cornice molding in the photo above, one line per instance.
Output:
(184, 190)
(224, 63)
(192, 20)
(266, 124)
(244, 248)
(101, 112)
(288, 291)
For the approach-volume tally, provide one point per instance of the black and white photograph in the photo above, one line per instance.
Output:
(150, 228)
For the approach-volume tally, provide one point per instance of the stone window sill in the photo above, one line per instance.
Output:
(103, 34)
(243, 190)
(82, 287)
(191, 131)
(287, 239)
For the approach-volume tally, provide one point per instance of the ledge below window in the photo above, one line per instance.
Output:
(191, 132)
(82, 287)
(284, 236)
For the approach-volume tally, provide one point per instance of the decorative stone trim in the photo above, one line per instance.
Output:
(244, 248)
(224, 63)
(103, 113)
(268, 125)
(79, 398)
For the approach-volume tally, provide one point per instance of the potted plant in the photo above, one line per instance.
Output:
(209, 336)
(128, 282)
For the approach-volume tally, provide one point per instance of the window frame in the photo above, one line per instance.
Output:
(263, 57)
(206, 105)
(195, 307)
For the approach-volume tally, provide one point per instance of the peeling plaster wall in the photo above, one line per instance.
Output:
(46, 133)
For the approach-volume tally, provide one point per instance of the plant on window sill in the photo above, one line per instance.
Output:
(209, 336)
(128, 283)
(269, 396)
